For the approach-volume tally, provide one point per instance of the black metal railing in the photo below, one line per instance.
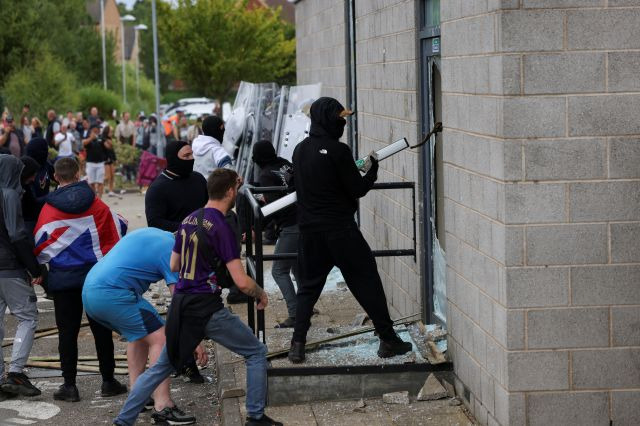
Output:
(255, 257)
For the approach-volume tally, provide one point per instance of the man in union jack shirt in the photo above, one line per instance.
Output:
(75, 229)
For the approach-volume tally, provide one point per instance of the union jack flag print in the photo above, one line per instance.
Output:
(66, 240)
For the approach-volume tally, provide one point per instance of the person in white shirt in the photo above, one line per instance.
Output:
(126, 130)
(64, 142)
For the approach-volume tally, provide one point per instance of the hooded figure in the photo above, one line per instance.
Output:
(176, 192)
(328, 185)
(207, 148)
(182, 168)
(36, 191)
(274, 171)
(16, 259)
(326, 119)
(16, 242)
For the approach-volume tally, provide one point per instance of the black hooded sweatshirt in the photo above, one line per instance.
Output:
(327, 182)
(176, 193)
(16, 242)
(272, 172)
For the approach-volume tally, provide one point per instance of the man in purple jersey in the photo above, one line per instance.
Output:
(197, 311)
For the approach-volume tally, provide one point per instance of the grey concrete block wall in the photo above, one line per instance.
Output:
(540, 107)
(386, 74)
(541, 190)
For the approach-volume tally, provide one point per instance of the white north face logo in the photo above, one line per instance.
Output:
(323, 151)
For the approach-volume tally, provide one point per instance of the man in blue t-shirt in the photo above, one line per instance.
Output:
(112, 295)
(196, 309)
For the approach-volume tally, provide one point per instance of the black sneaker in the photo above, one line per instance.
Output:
(296, 352)
(5, 396)
(148, 405)
(172, 416)
(288, 323)
(19, 384)
(67, 393)
(393, 347)
(192, 375)
(262, 421)
(112, 388)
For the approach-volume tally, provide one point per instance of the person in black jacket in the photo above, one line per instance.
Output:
(328, 186)
(177, 192)
(273, 172)
(36, 192)
(19, 269)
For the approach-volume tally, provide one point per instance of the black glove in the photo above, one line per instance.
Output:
(373, 170)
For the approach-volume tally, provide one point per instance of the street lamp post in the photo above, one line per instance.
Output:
(104, 46)
(141, 27)
(156, 74)
(125, 18)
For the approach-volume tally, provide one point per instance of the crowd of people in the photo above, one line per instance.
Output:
(71, 243)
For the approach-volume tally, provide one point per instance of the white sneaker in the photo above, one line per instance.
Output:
(111, 194)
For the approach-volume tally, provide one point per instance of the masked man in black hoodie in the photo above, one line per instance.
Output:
(19, 269)
(328, 186)
(273, 172)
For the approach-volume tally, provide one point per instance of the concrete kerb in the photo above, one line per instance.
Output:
(229, 407)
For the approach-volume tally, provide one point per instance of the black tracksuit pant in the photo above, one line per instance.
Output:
(68, 309)
(347, 249)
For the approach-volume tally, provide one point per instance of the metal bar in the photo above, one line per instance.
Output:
(389, 253)
(413, 218)
(394, 185)
(357, 369)
(250, 261)
(259, 273)
(280, 256)
(156, 73)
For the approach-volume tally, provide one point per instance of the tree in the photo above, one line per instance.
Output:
(213, 44)
(62, 28)
(45, 83)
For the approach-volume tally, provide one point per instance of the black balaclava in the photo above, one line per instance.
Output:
(263, 153)
(38, 149)
(211, 127)
(182, 168)
(31, 167)
(325, 118)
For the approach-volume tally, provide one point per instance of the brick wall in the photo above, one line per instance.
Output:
(543, 185)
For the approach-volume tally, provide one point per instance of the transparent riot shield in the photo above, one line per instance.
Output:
(260, 124)
(294, 124)
(236, 123)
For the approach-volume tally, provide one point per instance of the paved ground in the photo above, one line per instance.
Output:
(337, 310)
(200, 400)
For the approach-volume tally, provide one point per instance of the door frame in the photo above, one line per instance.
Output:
(427, 46)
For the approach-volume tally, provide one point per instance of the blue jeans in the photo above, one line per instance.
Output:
(282, 269)
(229, 331)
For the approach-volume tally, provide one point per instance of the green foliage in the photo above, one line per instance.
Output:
(212, 44)
(143, 99)
(95, 95)
(126, 154)
(62, 28)
(46, 83)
